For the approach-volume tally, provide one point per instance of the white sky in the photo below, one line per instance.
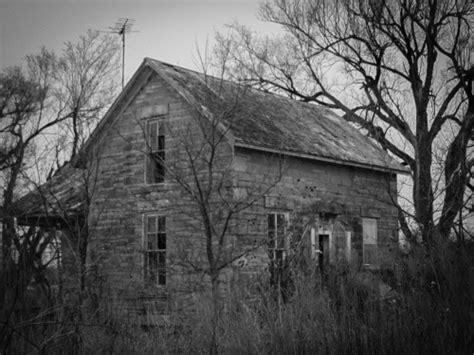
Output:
(167, 30)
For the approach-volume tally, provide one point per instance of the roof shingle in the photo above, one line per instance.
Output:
(273, 122)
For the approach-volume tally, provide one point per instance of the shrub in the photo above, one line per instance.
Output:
(428, 310)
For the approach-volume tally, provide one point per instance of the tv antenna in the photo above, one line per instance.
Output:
(122, 27)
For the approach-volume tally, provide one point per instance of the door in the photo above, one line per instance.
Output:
(324, 252)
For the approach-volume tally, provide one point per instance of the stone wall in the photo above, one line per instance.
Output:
(261, 182)
(351, 193)
(121, 200)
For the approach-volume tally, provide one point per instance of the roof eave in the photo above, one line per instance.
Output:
(80, 159)
(385, 169)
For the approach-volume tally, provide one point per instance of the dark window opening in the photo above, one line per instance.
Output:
(155, 169)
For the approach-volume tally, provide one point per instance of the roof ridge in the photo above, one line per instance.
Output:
(190, 70)
(200, 75)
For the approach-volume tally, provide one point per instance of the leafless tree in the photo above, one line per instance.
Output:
(51, 91)
(71, 90)
(87, 83)
(207, 178)
(401, 70)
(199, 165)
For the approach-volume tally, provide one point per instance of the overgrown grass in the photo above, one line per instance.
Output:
(429, 309)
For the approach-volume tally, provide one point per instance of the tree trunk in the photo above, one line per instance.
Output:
(8, 228)
(215, 308)
(423, 190)
(456, 174)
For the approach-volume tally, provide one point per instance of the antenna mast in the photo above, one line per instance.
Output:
(122, 27)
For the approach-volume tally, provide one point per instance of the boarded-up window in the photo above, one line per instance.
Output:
(155, 250)
(277, 233)
(155, 166)
(369, 249)
(348, 249)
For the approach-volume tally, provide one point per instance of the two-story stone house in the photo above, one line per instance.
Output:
(181, 156)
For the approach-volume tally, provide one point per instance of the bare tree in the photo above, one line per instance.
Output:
(34, 102)
(23, 106)
(87, 83)
(71, 90)
(401, 70)
(49, 106)
(199, 165)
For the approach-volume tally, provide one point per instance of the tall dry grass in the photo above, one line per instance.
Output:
(428, 309)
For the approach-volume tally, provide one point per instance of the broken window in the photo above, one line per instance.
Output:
(155, 253)
(277, 231)
(155, 165)
(369, 247)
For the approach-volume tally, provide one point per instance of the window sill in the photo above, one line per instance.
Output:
(155, 183)
(371, 267)
(153, 287)
(157, 186)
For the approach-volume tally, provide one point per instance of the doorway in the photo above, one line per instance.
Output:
(324, 252)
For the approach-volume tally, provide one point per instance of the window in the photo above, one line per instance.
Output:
(369, 248)
(155, 253)
(277, 226)
(155, 165)
(348, 246)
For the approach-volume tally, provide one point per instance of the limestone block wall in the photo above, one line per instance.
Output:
(358, 193)
(121, 200)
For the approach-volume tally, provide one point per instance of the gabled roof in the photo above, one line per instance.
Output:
(270, 122)
(263, 121)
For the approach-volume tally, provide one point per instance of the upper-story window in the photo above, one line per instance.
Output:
(155, 165)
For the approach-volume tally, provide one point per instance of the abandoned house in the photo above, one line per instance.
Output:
(181, 156)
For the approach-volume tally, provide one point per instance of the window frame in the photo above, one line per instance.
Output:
(160, 276)
(152, 149)
(275, 249)
(369, 240)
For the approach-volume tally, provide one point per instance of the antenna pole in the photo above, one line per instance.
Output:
(123, 54)
(122, 27)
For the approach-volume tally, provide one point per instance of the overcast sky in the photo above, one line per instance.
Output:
(167, 30)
